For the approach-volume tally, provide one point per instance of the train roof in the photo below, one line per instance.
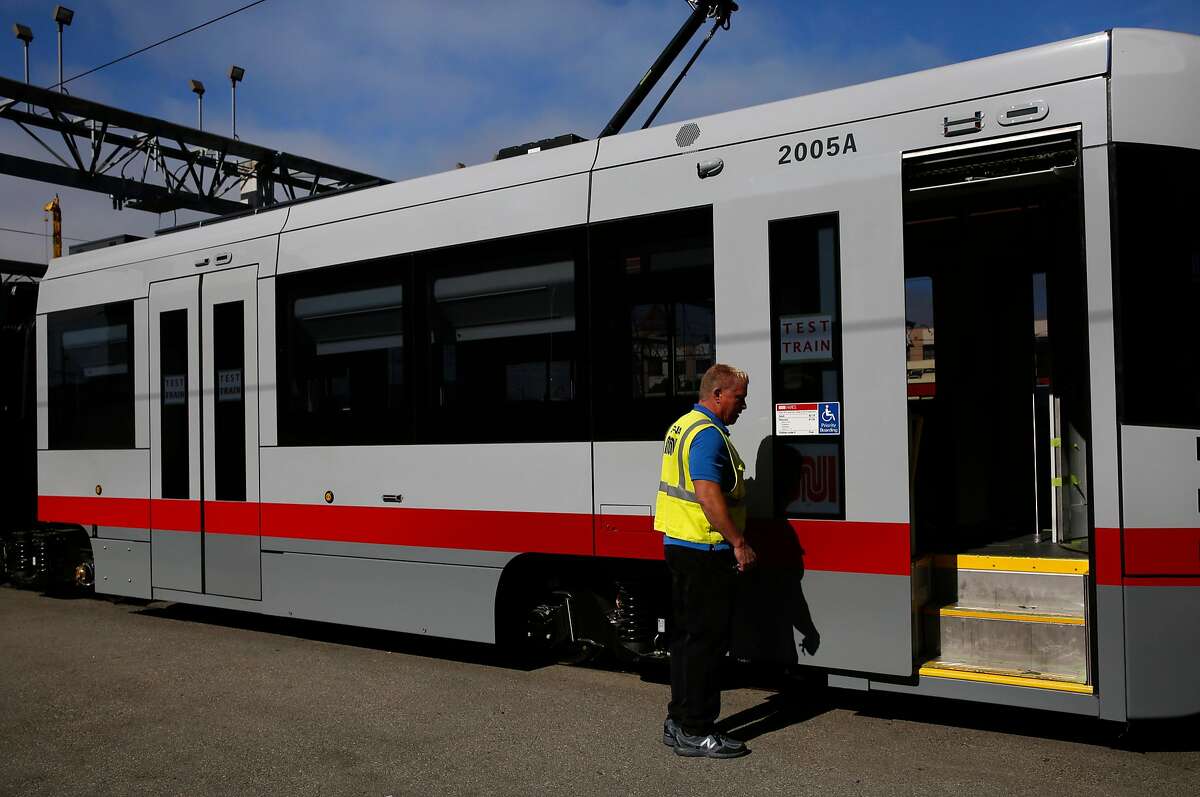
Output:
(1058, 62)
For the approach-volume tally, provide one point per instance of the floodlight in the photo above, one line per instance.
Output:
(198, 90)
(23, 33)
(236, 73)
(63, 16)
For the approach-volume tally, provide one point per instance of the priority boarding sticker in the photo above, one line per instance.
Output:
(808, 419)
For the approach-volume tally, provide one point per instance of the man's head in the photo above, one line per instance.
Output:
(723, 391)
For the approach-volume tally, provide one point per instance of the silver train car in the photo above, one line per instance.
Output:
(965, 298)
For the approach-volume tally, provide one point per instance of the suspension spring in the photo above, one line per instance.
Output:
(633, 622)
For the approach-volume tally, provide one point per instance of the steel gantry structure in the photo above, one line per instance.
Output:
(154, 165)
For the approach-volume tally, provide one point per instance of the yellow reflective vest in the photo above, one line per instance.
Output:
(677, 511)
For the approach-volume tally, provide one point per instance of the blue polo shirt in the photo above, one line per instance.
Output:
(709, 456)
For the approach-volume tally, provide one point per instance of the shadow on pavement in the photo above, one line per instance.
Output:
(787, 701)
(389, 641)
(1144, 736)
(776, 712)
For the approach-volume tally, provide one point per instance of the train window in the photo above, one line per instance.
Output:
(918, 333)
(505, 341)
(90, 371)
(654, 328)
(229, 414)
(1158, 285)
(342, 356)
(173, 402)
(806, 370)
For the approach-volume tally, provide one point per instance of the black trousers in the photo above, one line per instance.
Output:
(702, 588)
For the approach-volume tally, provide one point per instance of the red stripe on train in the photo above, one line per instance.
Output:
(1169, 581)
(169, 514)
(231, 517)
(837, 546)
(1162, 552)
(1150, 559)
(164, 514)
(127, 513)
(853, 546)
(516, 532)
(841, 546)
(219, 517)
(628, 537)
(1108, 557)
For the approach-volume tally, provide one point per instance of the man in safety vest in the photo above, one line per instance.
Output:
(701, 512)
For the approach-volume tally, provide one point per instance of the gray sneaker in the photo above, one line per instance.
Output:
(715, 745)
(670, 729)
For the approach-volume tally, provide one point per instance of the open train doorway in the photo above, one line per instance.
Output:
(999, 413)
(999, 408)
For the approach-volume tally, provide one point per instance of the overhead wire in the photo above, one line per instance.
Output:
(39, 234)
(45, 235)
(164, 41)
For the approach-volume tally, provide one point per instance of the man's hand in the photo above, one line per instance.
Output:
(712, 501)
(745, 557)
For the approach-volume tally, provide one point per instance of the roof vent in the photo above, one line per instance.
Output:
(537, 146)
(688, 134)
(102, 243)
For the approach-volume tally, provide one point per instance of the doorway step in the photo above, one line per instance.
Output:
(1020, 621)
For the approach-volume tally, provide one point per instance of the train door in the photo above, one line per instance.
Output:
(999, 405)
(175, 535)
(786, 265)
(832, 458)
(204, 433)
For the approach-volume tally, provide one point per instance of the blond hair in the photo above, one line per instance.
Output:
(723, 377)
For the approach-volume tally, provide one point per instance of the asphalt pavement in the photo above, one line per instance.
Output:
(106, 698)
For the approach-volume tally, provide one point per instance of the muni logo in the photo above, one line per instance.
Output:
(818, 479)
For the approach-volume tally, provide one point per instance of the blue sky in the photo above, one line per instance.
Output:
(402, 89)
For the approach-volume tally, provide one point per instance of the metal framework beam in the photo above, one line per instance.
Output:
(145, 196)
(22, 268)
(155, 165)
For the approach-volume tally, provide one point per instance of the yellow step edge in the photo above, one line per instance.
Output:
(1017, 564)
(1006, 680)
(988, 614)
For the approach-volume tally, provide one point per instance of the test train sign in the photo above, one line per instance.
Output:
(805, 338)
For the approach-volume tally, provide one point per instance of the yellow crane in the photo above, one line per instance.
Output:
(55, 210)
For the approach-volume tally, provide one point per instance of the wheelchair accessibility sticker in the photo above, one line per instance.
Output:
(829, 417)
(808, 419)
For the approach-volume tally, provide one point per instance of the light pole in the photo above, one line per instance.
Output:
(23, 33)
(198, 90)
(236, 73)
(63, 16)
